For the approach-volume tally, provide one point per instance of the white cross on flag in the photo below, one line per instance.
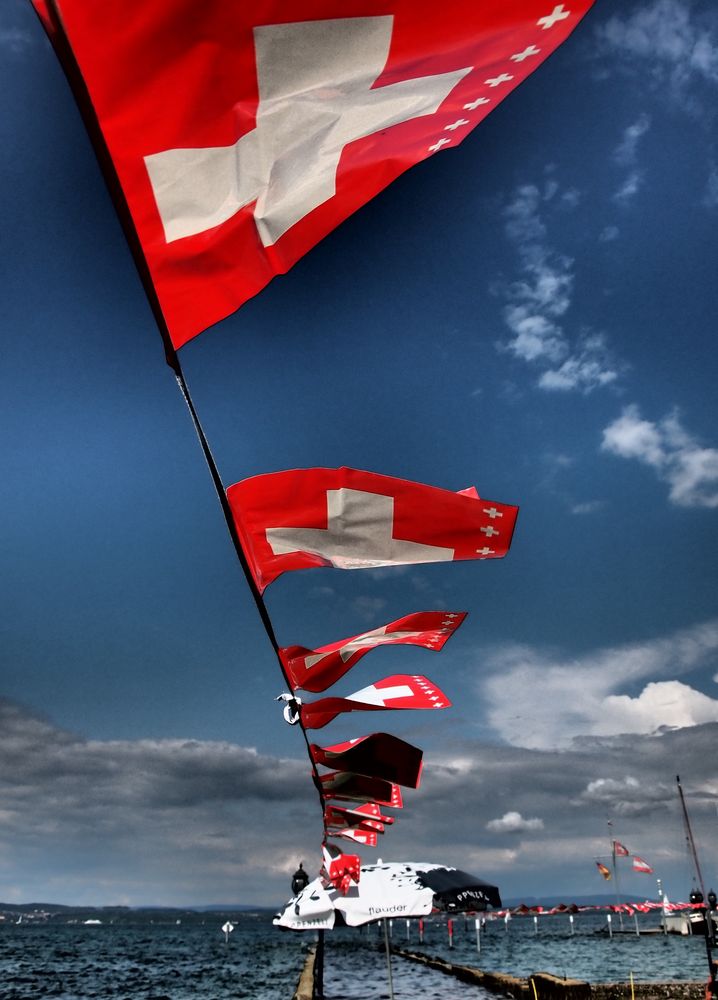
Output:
(369, 815)
(349, 519)
(242, 133)
(317, 669)
(397, 691)
(380, 755)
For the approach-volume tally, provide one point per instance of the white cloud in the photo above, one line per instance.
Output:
(689, 468)
(538, 301)
(710, 198)
(630, 187)
(669, 41)
(513, 822)
(536, 699)
(589, 367)
(625, 152)
(609, 233)
(587, 507)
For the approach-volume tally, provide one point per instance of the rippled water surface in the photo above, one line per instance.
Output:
(191, 960)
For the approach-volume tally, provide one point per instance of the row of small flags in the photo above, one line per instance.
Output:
(348, 519)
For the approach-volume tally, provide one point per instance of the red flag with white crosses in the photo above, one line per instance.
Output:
(341, 869)
(368, 816)
(399, 691)
(318, 669)
(380, 755)
(367, 838)
(348, 519)
(344, 786)
(242, 133)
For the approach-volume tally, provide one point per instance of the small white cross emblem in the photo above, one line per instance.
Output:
(474, 104)
(493, 512)
(485, 552)
(489, 531)
(557, 14)
(496, 80)
(457, 124)
(439, 144)
(531, 50)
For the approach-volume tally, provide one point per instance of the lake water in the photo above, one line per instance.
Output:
(169, 961)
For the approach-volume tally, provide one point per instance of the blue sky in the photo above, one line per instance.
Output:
(533, 313)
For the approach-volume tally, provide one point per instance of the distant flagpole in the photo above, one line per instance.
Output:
(614, 868)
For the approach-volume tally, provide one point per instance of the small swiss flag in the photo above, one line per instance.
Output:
(350, 519)
(345, 786)
(396, 692)
(380, 755)
(317, 669)
(341, 869)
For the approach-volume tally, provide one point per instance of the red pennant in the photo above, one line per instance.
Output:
(358, 520)
(379, 755)
(359, 788)
(318, 669)
(243, 133)
(399, 691)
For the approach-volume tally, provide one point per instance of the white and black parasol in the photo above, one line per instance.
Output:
(393, 889)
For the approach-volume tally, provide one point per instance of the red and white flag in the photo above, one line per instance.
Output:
(341, 869)
(639, 865)
(396, 692)
(380, 755)
(619, 850)
(366, 838)
(318, 669)
(349, 519)
(345, 786)
(243, 133)
(368, 816)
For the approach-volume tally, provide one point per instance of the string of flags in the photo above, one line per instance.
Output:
(227, 161)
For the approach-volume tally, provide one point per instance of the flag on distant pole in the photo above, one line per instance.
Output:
(606, 872)
(619, 850)
(639, 865)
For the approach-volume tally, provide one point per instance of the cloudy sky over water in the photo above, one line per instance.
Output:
(533, 313)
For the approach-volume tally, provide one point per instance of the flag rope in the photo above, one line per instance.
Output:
(231, 527)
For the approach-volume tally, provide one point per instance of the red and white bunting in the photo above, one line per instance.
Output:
(242, 134)
(400, 691)
(359, 788)
(317, 669)
(366, 838)
(349, 519)
(380, 755)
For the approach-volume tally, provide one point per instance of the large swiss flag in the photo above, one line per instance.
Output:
(242, 133)
(360, 520)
